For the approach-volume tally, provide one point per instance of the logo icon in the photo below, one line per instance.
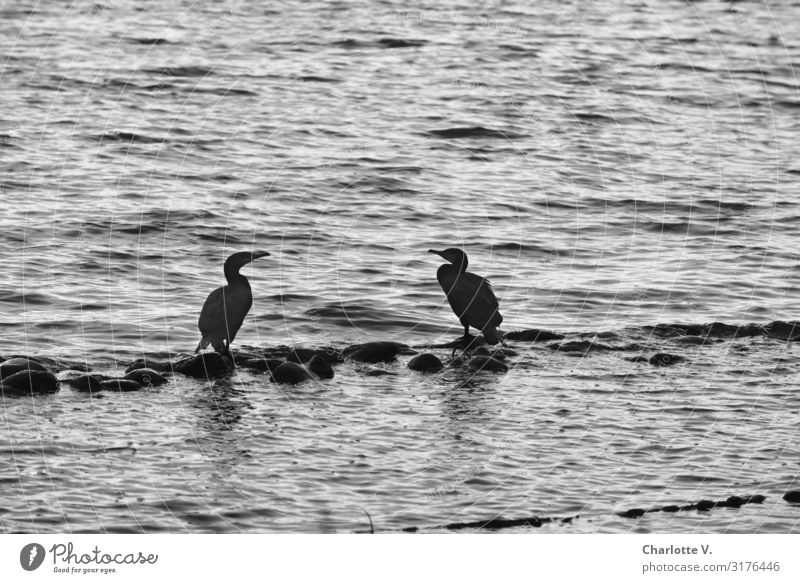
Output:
(31, 556)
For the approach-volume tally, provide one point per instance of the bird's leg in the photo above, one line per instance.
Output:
(465, 341)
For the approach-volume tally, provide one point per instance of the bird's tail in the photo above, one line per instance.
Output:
(491, 335)
(202, 345)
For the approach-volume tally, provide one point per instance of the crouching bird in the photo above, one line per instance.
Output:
(225, 308)
(471, 296)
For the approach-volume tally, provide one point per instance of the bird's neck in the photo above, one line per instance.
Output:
(234, 277)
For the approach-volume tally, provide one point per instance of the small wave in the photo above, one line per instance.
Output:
(130, 137)
(148, 41)
(15, 297)
(182, 71)
(472, 132)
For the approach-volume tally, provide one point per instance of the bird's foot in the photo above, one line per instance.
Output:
(463, 344)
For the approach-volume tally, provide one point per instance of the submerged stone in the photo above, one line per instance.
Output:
(320, 367)
(148, 363)
(532, 335)
(426, 363)
(379, 372)
(782, 330)
(17, 364)
(121, 385)
(487, 363)
(205, 365)
(632, 513)
(664, 359)
(373, 352)
(579, 346)
(330, 355)
(30, 382)
(792, 496)
(146, 377)
(262, 364)
(290, 373)
(87, 382)
(301, 355)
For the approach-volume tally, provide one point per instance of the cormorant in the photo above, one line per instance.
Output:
(470, 295)
(225, 308)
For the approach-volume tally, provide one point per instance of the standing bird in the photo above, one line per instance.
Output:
(225, 308)
(470, 295)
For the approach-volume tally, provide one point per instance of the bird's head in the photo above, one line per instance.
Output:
(237, 260)
(455, 256)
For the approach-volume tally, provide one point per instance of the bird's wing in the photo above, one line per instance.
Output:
(224, 311)
(471, 296)
(213, 312)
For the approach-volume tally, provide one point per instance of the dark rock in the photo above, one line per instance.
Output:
(782, 330)
(88, 382)
(426, 363)
(290, 373)
(379, 372)
(262, 364)
(731, 502)
(755, 499)
(30, 382)
(499, 523)
(17, 364)
(320, 367)
(300, 355)
(584, 346)
(705, 505)
(632, 513)
(148, 363)
(487, 363)
(664, 359)
(205, 365)
(671, 508)
(485, 351)
(121, 385)
(146, 377)
(532, 335)
(330, 355)
(792, 496)
(373, 352)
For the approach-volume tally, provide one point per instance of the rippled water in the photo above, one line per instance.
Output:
(609, 165)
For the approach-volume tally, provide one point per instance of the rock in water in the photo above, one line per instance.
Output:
(373, 352)
(203, 366)
(792, 496)
(290, 373)
(147, 363)
(320, 367)
(300, 355)
(487, 363)
(664, 359)
(121, 385)
(426, 363)
(89, 383)
(532, 335)
(15, 365)
(146, 377)
(30, 382)
(262, 364)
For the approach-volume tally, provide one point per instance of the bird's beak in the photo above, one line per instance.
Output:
(439, 253)
(258, 254)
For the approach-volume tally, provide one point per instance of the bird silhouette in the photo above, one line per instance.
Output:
(471, 296)
(225, 307)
